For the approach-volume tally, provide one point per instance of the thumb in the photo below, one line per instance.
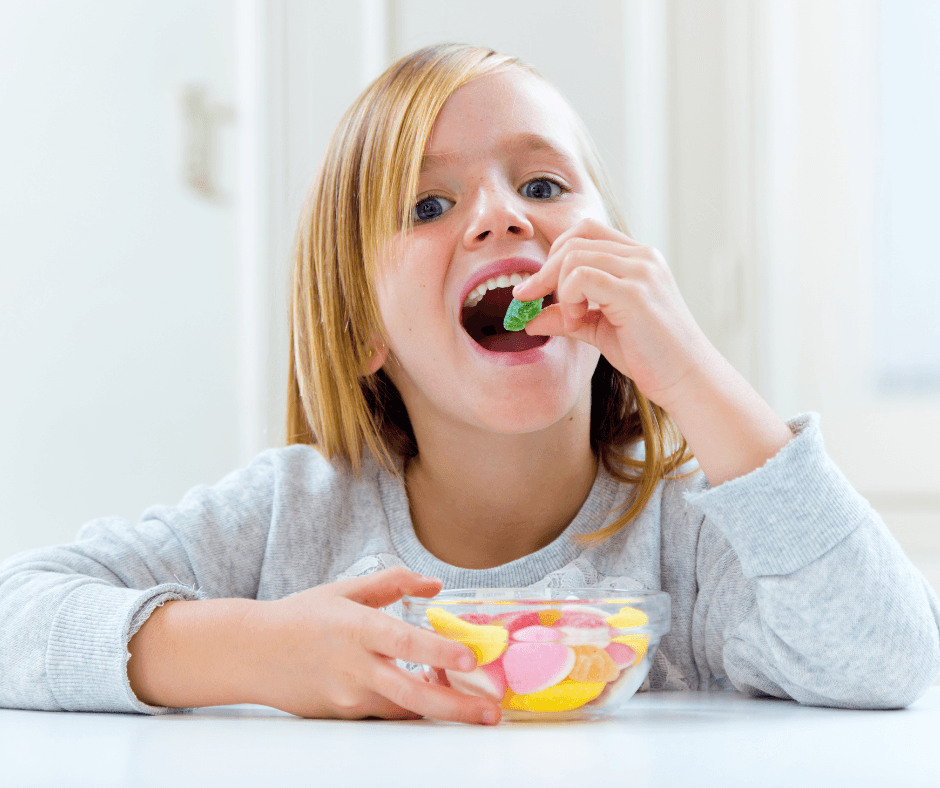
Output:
(383, 588)
(551, 322)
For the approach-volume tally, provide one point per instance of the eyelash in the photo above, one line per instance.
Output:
(563, 190)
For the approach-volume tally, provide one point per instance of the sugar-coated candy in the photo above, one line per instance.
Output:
(487, 681)
(487, 642)
(548, 618)
(627, 618)
(536, 634)
(583, 628)
(533, 667)
(518, 620)
(520, 313)
(622, 654)
(639, 643)
(564, 696)
(476, 618)
(593, 664)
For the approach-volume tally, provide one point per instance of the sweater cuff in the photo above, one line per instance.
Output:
(788, 513)
(86, 659)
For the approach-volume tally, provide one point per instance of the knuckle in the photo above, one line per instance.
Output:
(402, 641)
(404, 695)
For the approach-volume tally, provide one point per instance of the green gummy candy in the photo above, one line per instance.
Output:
(520, 313)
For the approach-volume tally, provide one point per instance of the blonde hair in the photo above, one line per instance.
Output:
(347, 221)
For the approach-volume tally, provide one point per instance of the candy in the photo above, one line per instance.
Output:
(476, 618)
(487, 642)
(622, 654)
(520, 313)
(583, 628)
(548, 618)
(533, 667)
(639, 643)
(593, 664)
(581, 620)
(564, 696)
(627, 618)
(517, 621)
(536, 634)
(547, 659)
(488, 681)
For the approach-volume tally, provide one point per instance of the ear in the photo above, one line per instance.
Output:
(377, 355)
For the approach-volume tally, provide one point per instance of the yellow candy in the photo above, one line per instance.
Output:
(639, 643)
(627, 618)
(564, 696)
(548, 617)
(486, 641)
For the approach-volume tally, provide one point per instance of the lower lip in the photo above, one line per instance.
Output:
(530, 356)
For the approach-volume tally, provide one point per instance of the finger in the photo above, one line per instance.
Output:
(609, 292)
(382, 634)
(575, 251)
(432, 700)
(374, 704)
(383, 588)
(550, 322)
(592, 229)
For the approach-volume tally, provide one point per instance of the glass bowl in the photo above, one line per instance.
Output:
(552, 654)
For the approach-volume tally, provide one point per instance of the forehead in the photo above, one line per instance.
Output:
(510, 110)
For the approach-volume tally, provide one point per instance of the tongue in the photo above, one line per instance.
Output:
(511, 342)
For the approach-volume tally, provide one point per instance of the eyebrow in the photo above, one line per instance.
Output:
(523, 143)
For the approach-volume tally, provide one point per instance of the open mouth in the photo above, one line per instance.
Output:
(484, 323)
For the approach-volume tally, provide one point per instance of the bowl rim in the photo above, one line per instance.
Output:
(608, 596)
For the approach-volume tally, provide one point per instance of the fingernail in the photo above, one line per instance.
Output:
(520, 288)
(466, 662)
(489, 717)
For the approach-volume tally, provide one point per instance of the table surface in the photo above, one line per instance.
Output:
(657, 739)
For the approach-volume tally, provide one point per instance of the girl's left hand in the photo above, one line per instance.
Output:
(640, 323)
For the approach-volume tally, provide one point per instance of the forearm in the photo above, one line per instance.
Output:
(193, 653)
(728, 426)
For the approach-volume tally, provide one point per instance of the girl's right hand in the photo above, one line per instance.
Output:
(328, 652)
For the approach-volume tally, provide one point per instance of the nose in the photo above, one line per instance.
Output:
(498, 213)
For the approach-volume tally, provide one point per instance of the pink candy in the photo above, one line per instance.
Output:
(536, 634)
(621, 654)
(582, 628)
(488, 681)
(533, 667)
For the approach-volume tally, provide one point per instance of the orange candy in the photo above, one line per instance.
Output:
(593, 664)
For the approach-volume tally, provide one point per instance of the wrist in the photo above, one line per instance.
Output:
(193, 653)
(728, 426)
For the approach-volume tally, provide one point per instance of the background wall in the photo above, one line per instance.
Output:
(156, 158)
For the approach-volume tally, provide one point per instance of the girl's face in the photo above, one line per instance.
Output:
(501, 181)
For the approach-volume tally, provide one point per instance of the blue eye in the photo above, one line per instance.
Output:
(541, 189)
(429, 208)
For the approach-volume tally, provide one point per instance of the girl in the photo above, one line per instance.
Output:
(428, 448)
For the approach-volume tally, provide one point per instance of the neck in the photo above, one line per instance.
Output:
(480, 500)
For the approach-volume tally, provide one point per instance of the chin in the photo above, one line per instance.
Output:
(529, 416)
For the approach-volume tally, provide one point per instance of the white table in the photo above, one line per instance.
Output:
(662, 739)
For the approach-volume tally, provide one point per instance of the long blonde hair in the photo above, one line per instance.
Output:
(375, 152)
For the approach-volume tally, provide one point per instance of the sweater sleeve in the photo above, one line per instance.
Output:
(68, 612)
(803, 592)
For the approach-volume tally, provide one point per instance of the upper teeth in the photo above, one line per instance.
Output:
(474, 296)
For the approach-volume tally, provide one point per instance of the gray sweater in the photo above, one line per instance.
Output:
(784, 582)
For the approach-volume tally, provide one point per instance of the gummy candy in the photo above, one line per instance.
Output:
(486, 642)
(627, 618)
(520, 313)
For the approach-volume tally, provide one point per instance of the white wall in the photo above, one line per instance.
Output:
(118, 319)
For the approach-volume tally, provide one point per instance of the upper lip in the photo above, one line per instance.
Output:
(509, 265)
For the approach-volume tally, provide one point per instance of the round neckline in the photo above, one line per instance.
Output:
(595, 513)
